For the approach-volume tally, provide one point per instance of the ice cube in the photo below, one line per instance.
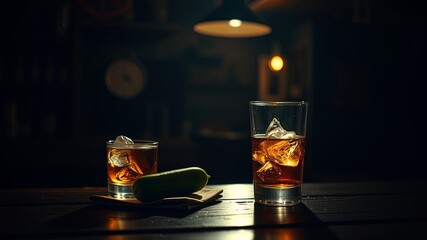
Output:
(128, 173)
(285, 153)
(275, 130)
(269, 171)
(119, 158)
(123, 140)
(259, 156)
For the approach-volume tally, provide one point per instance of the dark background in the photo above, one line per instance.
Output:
(359, 64)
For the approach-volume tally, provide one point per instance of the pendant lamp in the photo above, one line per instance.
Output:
(232, 19)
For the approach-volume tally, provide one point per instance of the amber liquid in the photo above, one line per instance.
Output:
(125, 165)
(277, 163)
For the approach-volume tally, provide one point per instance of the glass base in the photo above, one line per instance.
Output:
(120, 191)
(276, 196)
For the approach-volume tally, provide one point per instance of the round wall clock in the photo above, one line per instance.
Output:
(125, 78)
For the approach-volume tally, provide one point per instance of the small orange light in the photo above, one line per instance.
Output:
(276, 63)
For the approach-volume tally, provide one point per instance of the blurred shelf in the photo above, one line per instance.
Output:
(219, 87)
(131, 25)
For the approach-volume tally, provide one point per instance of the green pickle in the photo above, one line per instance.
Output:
(173, 183)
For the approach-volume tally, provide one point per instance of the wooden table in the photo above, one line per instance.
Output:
(358, 210)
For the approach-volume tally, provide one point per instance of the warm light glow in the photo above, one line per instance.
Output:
(232, 19)
(235, 23)
(224, 29)
(276, 63)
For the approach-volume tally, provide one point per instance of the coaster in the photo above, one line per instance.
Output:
(194, 200)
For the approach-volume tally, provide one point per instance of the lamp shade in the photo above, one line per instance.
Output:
(232, 19)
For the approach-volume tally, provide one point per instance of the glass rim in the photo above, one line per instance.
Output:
(278, 103)
(136, 142)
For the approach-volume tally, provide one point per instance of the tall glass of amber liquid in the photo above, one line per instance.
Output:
(278, 137)
(128, 160)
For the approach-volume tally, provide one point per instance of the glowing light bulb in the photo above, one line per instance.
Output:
(235, 23)
(276, 63)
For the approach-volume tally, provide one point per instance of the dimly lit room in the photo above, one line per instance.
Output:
(78, 74)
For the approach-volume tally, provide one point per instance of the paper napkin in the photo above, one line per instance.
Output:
(191, 201)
